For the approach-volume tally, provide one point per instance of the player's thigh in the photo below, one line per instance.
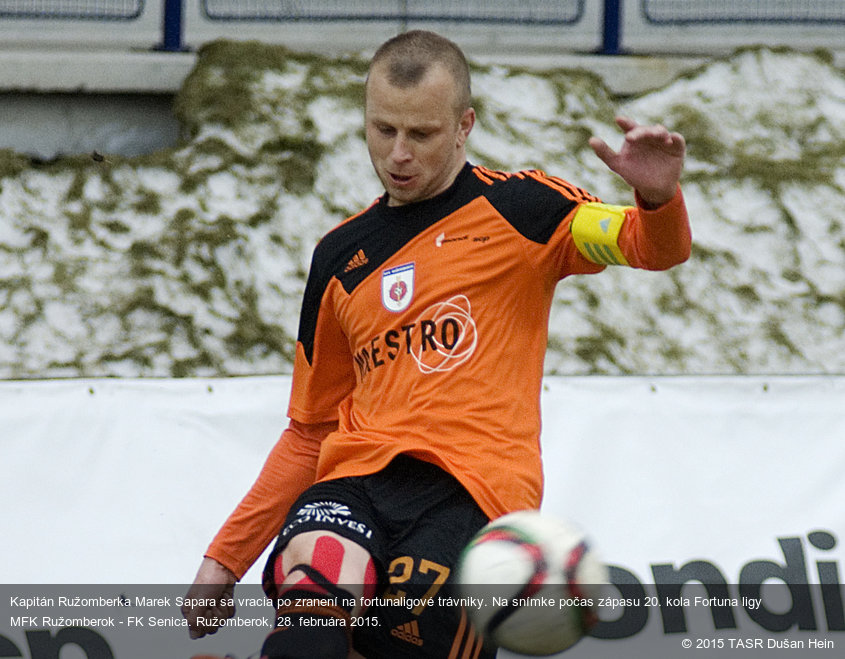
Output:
(426, 617)
(428, 519)
(333, 557)
(329, 539)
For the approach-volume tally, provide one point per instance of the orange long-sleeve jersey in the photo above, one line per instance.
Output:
(423, 331)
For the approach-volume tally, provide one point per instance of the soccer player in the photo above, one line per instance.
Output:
(414, 411)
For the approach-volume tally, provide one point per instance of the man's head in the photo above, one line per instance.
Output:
(418, 115)
(406, 59)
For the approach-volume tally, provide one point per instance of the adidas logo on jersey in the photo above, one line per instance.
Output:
(357, 261)
(409, 632)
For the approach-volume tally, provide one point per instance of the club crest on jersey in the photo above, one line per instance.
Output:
(397, 287)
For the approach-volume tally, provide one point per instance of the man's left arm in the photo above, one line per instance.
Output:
(656, 234)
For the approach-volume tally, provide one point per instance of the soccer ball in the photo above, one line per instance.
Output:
(535, 583)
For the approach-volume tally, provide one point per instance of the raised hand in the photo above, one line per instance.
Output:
(650, 159)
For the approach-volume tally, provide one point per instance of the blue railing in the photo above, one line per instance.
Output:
(172, 26)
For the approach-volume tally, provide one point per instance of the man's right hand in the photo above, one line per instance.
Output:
(210, 599)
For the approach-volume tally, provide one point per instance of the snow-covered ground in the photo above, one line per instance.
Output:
(191, 261)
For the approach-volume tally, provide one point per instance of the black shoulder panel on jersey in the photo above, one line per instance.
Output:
(532, 207)
(314, 289)
(360, 246)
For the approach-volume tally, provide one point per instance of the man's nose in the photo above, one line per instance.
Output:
(401, 151)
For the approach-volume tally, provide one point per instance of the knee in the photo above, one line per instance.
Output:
(306, 643)
(308, 632)
(321, 561)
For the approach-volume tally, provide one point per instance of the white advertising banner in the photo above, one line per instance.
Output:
(732, 482)
(112, 489)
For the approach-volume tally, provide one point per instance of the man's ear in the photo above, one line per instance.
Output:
(465, 125)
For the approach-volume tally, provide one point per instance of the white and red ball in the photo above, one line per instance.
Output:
(539, 580)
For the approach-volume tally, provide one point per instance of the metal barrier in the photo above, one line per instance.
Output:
(72, 9)
(748, 11)
(496, 11)
(603, 26)
(85, 25)
(719, 26)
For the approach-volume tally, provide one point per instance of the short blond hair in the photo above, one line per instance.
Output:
(410, 55)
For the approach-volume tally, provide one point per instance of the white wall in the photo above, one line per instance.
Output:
(643, 36)
(333, 37)
(143, 31)
(638, 34)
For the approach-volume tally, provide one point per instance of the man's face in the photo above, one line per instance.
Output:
(415, 138)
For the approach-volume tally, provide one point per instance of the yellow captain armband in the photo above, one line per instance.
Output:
(595, 229)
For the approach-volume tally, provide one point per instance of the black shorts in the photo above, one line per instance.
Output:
(414, 519)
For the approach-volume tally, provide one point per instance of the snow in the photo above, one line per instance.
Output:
(191, 261)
